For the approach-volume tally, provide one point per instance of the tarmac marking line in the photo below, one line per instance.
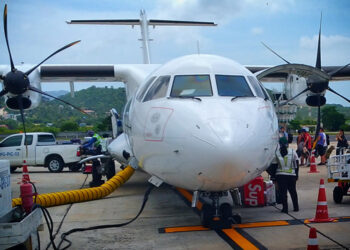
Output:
(239, 239)
(183, 229)
(262, 224)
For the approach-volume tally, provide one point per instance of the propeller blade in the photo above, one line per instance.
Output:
(3, 92)
(54, 53)
(275, 52)
(44, 93)
(338, 70)
(302, 92)
(335, 92)
(20, 105)
(318, 59)
(7, 41)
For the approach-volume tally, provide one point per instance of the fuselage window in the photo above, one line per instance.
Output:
(158, 89)
(232, 86)
(192, 85)
(144, 89)
(255, 84)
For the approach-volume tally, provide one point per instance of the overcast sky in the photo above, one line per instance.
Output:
(37, 28)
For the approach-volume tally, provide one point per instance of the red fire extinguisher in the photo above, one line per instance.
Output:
(26, 191)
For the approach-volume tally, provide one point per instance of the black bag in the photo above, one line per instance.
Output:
(327, 139)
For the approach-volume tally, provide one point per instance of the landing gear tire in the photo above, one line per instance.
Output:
(55, 164)
(206, 215)
(226, 211)
(13, 169)
(338, 194)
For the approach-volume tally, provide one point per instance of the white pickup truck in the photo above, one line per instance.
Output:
(43, 150)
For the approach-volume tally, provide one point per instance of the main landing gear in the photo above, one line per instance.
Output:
(216, 212)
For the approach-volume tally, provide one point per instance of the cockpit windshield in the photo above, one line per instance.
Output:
(232, 86)
(191, 86)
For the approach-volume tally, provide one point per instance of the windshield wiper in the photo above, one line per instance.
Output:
(186, 97)
(239, 96)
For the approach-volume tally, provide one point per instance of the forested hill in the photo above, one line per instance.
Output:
(99, 100)
(311, 112)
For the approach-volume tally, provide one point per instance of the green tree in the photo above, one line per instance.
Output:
(69, 126)
(294, 124)
(104, 125)
(331, 118)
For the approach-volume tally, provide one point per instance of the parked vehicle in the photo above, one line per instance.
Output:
(42, 150)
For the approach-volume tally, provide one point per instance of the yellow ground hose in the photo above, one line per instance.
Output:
(80, 195)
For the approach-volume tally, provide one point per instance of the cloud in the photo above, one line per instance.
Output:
(335, 49)
(257, 31)
(326, 41)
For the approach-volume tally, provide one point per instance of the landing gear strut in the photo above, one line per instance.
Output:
(215, 215)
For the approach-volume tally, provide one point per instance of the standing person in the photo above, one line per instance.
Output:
(300, 143)
(342, 143)
(307, 146)
(284, 134)
(93, 147)
(321, 146)
(287, 175)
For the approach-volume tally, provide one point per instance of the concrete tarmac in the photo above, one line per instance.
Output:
(166, 208)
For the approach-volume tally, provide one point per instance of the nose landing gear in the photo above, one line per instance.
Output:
(218, 215)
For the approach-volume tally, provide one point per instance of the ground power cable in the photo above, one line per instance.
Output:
(64, 235)
(324, 235)
(64, 216)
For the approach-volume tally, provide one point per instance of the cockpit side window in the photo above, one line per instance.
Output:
(144, 89)
(255, 84)
(232, 86)
(259, 90)
(158, 89)
(191, 85)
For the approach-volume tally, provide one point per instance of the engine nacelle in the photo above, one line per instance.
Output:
(293, 86)
(30, 98)
(119, 149)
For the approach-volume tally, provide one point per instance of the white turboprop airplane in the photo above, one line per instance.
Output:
(201, 122)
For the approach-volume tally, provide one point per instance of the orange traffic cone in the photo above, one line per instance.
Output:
(313, 166)
(312, 242)
(322, 208)
(25, 173)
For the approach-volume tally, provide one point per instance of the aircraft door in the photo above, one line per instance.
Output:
(126, 123)
(11, 149)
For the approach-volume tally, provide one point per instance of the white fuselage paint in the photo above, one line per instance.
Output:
(211, 145)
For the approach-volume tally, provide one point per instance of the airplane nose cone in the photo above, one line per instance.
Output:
(229, 130)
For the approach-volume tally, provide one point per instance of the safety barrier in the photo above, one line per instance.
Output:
(81, 195)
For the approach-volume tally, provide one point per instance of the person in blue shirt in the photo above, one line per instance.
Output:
(321, 146)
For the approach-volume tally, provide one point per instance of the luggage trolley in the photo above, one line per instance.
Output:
(339, 171)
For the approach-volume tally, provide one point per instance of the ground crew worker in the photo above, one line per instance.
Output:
(93, 147)
(287, 175)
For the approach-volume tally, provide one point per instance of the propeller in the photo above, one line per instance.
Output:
(17, 82)
(315, 83)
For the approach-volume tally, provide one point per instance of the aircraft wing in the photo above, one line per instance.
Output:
(281, 73)
(131, 74)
